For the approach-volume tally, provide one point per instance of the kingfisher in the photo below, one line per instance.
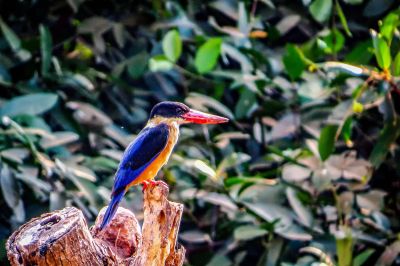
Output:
(151, 149)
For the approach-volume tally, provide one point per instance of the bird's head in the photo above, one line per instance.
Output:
(174, 111)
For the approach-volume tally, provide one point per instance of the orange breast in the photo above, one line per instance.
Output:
(151, 171)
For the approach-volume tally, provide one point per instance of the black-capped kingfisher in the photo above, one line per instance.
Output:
(151, 149)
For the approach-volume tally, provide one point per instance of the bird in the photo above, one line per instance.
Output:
(151, 149)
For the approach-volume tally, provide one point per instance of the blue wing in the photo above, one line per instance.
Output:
(139, 154)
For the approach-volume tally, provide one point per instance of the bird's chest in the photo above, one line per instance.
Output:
(152, 170)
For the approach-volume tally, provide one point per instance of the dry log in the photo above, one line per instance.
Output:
(63, 237)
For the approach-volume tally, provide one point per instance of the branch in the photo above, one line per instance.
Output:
(63, 237)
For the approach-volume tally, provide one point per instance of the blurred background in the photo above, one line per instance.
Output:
(307, 171)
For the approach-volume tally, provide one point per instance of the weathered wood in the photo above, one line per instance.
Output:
(160, 230)
(63, 237)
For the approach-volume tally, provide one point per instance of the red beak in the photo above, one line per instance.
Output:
(197, 117)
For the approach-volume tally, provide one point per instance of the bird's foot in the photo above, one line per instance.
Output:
(152, 183)
(145, 184)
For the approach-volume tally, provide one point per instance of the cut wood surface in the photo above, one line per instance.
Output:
(63, 237)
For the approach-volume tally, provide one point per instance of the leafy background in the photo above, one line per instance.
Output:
(306, 172)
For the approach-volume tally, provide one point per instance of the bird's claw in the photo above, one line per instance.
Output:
(152, 183)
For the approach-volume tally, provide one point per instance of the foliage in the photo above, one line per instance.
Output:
(307, 170)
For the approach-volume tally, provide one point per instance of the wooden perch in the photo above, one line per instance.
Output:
(63, 237)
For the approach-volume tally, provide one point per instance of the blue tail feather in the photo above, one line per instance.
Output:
(112, 208)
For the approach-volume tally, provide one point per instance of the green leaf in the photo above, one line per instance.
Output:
(294, 61)
(9, 187)
(382, 50)
(137, 64)
(45, 49)
(396, 65)
(248, 232)
(5, 77)
(334, 42)
(361, 54)
(388, 135)
(375, 8)
(321, 10)
(33, 104)
(160, 63)
(14, 42)
(353, 2)
(326, 142)
(219, 260)
(346, 130)
(77, 80)
(389, 25)
(303, 213)
(342, 18)
(11, 38)
(75, 4)
(172, 45)
(344, 247)
(361, 258)
(207, 55)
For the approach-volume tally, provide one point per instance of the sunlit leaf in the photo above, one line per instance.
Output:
(396, 65)
(389, 25)
(172, 45)
(207, 55)
(382, 50)
(160, 63)
(321, 10)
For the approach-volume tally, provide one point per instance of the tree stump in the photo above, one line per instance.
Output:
(63, 237)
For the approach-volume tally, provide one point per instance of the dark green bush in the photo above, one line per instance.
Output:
(306, 172)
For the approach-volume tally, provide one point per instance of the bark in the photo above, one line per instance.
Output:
(63, 237)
